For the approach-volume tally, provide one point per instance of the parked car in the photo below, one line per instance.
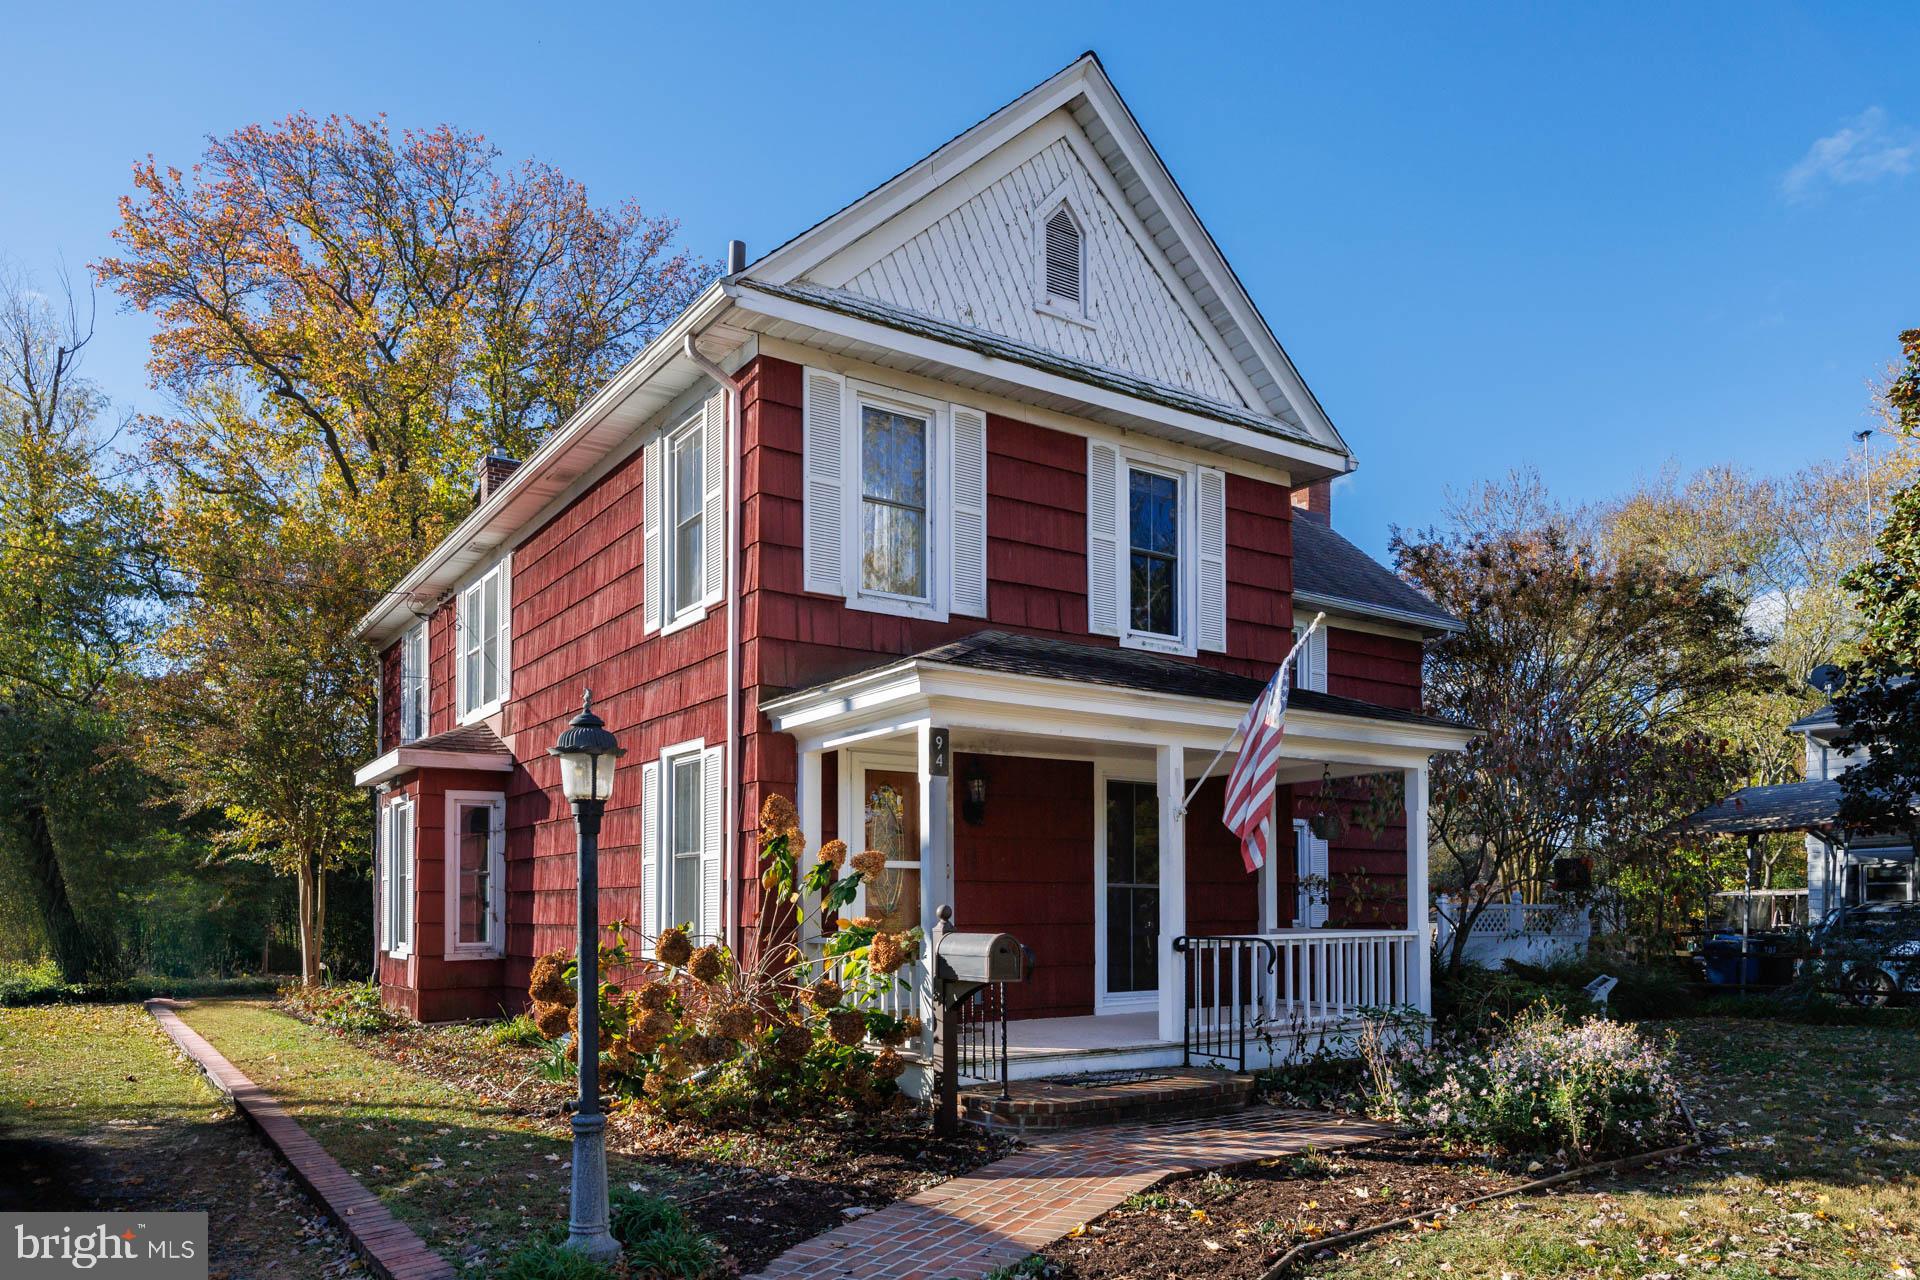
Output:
(1871, 952)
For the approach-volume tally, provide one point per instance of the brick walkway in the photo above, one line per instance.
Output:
(388, 1244)
(966, 1227)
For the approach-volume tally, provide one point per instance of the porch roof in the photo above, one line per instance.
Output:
(470, 746)
(1062, 688)
(1788, 806)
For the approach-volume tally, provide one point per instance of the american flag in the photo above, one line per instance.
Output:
(1249, 805)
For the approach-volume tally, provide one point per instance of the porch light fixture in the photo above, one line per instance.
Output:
(973, 800)
(588, 754)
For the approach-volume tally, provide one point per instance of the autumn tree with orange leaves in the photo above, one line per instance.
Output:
(348, 318)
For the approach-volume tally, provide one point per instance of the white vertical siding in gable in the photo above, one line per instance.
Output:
(975, 266)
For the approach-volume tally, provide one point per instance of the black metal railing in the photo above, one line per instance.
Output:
(982, 1047)
(1221, 988)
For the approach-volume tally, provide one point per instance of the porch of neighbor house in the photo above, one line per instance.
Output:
(1036, 788)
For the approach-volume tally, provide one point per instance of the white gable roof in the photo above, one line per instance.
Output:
(954, 239)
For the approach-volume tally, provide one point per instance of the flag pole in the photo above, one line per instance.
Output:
(1207, 772)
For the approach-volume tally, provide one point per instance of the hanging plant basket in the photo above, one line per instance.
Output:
(1325, 826)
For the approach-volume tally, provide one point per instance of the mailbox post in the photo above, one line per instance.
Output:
(962, 964)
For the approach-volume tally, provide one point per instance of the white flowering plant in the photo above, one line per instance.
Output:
(1543, 1084)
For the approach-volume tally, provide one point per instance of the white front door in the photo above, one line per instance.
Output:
(1126, 897)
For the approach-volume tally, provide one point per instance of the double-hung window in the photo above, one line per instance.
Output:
(683, 842)
(1153, 553)
(681, 801)
(476, 872)
(484, 644)
(686, 519)
(396, 878)
(894, 453)
(413, 684)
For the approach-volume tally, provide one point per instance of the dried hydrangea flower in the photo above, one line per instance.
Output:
(735, 1021)
(889, 1065)
(552, 1019)
(912, 1026)
(847, 1026)
(835, 852)
(652, 995)
(707, 965)
(870, 863)
(887, 952)
(673, 947)
(825, 994)
(549, 983)
(791, 1044)
(777, 816)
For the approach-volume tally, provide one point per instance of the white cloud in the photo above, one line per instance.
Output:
(1867, 148)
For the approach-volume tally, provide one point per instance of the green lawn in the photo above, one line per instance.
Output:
(1817, 1175)
(472, 1178)
(97, 1110)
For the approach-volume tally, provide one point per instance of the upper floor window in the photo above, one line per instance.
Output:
(413, 684)
(484, 644)
(1156, 550)
(686, 498)
(1153, 565)
(893, 502)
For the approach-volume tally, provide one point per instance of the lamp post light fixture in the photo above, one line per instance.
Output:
(588, 754)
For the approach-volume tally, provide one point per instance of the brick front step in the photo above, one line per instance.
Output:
(1077, 1102)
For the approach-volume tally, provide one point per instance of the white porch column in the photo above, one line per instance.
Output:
(1170, 777)
(934, 748)
(812, 826)
(1420, 966)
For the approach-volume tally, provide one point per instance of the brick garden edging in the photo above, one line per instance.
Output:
(967, 1226)
(389, 1245)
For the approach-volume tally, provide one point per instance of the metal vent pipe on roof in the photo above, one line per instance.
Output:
(736, 257)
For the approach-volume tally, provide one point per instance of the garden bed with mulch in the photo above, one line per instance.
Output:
(1233, 1224)
(758, 1187)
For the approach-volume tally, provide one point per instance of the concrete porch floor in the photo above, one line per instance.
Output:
(1100, 1033)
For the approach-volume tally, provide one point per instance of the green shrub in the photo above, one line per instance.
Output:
(1544, 1085)
(634, 1214)
(675, 1253)
(36, 988)
(349, 1006)
(551, 1260)
(1474, 1000)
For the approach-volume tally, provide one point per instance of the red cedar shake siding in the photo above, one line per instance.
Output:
(576, 593)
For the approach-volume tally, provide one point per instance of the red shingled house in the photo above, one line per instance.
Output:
(998, 468)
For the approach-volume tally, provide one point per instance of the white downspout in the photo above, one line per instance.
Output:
(729, 877)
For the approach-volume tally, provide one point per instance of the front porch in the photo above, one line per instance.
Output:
(1046, 802)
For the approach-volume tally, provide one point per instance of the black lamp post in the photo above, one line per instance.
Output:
(588, 754)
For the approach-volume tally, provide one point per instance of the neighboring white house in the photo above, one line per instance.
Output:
(1844, 870)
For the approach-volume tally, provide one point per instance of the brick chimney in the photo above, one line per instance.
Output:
(1315, 501)
(492, 472)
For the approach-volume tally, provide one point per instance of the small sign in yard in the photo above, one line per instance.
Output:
(1600, 988)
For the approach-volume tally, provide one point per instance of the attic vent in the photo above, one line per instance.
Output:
(1063, 257)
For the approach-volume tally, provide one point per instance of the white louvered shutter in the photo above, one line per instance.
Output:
(404, 820)
(713, 839)
(1310, 667)
(1063, 257)
(823, 481)
(385, 913)
(650, 885)
(653, 503)
(969, 558)
(713, 521)
(1103, 539)
(1312, 852)
(1213, 560)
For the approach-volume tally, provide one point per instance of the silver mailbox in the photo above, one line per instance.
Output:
(980, 957)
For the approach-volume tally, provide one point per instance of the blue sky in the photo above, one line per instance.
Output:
(1590, 239)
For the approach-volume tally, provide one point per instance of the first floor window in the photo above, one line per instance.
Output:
(483, 642)
(893, 502)
(475, 863)
(1133, 887)
(684, 831)
(1153, 539)
(413, 684)
(686, 516)
(396, 877)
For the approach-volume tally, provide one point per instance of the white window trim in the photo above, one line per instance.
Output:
(1103, 1000)
(1080, 313)
(670, 621)
(934, 605)
(425, 699)
(663, 891)
(496, 877)
(1306, 896)
(1186, 561)
(390, 815)
(503, 568)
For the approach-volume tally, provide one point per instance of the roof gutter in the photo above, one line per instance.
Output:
(729, 867)
(1385, 613)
